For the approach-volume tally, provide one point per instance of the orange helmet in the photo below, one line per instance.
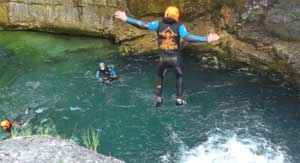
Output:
(172, 12)
(5, 124)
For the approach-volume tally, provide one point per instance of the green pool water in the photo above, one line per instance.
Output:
(232, 116)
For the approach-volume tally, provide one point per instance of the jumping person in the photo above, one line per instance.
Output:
(169, 31)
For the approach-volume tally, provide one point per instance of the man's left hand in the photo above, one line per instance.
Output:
(213, 37)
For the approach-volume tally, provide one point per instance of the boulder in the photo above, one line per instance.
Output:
(41, 149)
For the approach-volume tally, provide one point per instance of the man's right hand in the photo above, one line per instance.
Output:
(121, 15)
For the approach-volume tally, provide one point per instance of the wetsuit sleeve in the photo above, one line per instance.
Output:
(152, 26)
(112, 72)
(98, 74)
(190, 37)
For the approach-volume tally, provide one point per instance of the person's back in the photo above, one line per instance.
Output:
(169, 32)
(168, 35)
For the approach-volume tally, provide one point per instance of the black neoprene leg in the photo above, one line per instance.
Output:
(179, 81)
(159, 85)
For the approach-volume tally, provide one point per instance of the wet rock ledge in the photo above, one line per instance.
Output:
(43, 149)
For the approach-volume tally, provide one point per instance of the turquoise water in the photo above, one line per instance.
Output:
(232, 116)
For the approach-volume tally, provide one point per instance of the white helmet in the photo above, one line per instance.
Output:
(101, 64)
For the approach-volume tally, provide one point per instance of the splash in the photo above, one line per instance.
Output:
(220, 149)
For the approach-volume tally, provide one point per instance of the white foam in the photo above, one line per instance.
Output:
(165, 158)
(65, 118)
(219, 149)
(33, 84)
(44, 120)
(41, 110)
(76, 108)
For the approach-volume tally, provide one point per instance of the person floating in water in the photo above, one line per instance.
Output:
(105, 73)
(7, 125)
(21, 121)
(169, 32)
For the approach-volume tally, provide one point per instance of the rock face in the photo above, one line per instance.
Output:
(93, 17)
(283, 20)
(264, 34)
(41, 149)
(3, 12)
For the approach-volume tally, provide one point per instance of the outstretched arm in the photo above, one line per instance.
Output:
(138, 23)
(195, 38)
(98, 75)
(112, 73)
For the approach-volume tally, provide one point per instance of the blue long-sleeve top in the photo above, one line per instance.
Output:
(153, 26)
(111, 72)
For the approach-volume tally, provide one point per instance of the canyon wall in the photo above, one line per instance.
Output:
(262, 34)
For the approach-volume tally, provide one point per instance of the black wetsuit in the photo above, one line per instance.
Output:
(8, 130)
(169, 43)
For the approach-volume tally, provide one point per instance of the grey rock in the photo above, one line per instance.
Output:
(93, 17)
(291, 51)
(45, 149)
(255, 10)
(284, 20)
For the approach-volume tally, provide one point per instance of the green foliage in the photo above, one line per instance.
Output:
(21, 132)
(48, 129)
(90, 139)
